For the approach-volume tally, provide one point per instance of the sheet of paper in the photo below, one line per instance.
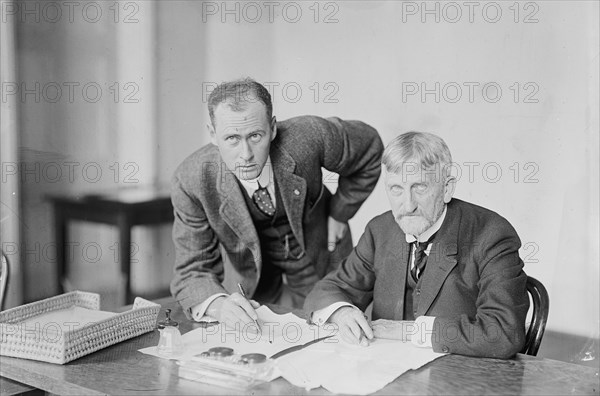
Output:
(58, 321)
(330, 363)
(279, 332)
(349, 369)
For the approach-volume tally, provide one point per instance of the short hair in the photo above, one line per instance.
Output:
(419, 148)
(236, 94)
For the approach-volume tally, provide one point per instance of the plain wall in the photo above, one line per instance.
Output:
(355, 68)
(358, 66)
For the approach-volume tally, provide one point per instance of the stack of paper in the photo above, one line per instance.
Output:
(343, 368)
(330, 363)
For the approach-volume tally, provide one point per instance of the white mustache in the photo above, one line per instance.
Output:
(409, 215)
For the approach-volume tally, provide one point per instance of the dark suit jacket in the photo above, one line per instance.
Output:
(473, 283)
(216, 242)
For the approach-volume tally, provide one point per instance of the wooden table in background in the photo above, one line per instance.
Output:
(124, 208)
(122, 370)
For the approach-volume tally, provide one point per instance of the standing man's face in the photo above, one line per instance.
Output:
(417, 198)
(243, 137)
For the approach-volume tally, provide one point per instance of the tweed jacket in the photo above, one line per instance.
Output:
(473, 284)
(216, 242)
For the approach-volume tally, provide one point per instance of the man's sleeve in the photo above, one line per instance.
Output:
(198, 265)
(198, 312)
(353, 150)
(351, 283)
(498, 329)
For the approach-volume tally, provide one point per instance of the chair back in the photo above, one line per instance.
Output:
(3, 280)
(541, 304)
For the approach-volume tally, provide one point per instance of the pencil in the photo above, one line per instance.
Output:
(243, 293)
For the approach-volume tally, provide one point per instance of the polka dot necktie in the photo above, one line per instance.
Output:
(262, 200)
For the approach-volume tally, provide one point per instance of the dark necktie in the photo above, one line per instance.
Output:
(420, 258)
(262, 200)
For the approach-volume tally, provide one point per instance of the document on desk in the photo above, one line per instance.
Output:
(331, 363)
(343, 368)
(279, 332)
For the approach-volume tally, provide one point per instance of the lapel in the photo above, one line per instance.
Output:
(441, 260)
(396, 263)
(292, 189)
(235, 213)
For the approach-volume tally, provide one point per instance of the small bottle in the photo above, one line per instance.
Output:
(170, 343)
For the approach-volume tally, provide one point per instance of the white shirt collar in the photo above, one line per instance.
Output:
(265, 179)
(425, 235)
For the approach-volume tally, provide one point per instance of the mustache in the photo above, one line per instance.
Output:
(416, 214)
(405, 215)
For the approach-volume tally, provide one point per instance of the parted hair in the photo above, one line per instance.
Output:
(422, 149)
(236, 94)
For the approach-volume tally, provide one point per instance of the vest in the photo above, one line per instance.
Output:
(281, 253)
(412, 293)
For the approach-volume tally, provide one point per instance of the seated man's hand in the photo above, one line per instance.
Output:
(234, 311)
(393, 329)
(352, 325)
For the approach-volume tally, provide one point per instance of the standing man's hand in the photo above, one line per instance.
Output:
(234, 311)
(352, 325)
(335, 232)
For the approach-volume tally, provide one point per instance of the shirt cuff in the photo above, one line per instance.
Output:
(321, 316)
(199, 310)
(423, 331)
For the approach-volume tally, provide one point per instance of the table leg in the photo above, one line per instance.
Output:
(125, 253)
(61, 235)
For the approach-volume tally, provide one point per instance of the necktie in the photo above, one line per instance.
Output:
(262, 200)
(420, 258)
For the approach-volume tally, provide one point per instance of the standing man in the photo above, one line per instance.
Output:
(439, 270)
(251, 207)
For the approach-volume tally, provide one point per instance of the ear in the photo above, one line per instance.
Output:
(211, 132)
(449, 188)
(273, 128)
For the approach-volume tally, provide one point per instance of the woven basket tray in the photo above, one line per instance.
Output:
(54, 343)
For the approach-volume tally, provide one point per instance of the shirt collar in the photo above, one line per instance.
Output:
(265, 178)
(428, 232)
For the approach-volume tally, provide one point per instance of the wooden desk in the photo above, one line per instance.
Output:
(122, 370)
(124, 208)
(12, 388)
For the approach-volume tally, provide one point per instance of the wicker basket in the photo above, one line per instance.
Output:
(61, 347)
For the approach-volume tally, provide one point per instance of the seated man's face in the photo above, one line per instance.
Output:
(243, 137)
(417, 197)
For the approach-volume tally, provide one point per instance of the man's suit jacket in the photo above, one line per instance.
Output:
(473, 283)
(216, 242)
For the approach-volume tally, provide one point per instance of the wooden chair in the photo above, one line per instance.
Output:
(541, 303)
(3, 280)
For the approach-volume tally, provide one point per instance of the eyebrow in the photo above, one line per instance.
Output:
(257, 131)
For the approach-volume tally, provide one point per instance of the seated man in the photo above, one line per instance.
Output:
(251, 212)
(441, 270)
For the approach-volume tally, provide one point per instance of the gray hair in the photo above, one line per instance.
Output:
(422, 149)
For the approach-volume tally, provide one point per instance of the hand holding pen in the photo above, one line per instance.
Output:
(253, 315)
(235, 311)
